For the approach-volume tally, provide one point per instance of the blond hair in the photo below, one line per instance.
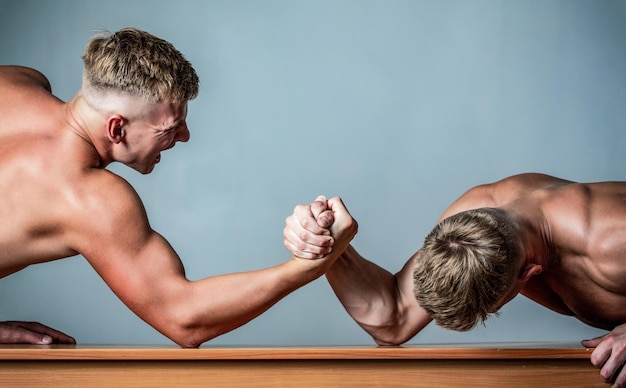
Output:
(466, 266)
(137, 63)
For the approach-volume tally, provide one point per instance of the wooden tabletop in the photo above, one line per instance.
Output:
(546, 350)
(516, 365)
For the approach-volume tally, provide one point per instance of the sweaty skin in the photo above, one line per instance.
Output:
(58, 200)
(574, 261)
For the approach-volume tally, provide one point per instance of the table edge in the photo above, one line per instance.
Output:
(131, 352)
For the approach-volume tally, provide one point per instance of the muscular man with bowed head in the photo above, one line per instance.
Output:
(560, 243)
(59, 200)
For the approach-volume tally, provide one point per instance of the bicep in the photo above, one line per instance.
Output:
(136, 262)
(140, 272)
(415, 316)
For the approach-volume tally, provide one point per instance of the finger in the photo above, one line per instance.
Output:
(305, 240)
(612, 368)
(321, 198)
(304, 251)
(336, 204)
(607, 360)
(304, 220)
(38, 328)
(592, 343)
(319, 210)
(620, 377)
(319, 205)
(610, 356)
(600, 355)
(325, 219)
(57, 336)
(307, 245)
(21, 335)
(303, 223)
(343, 220)
(298, 253)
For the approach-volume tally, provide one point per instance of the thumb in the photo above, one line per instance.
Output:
(592, 343)
(336, 205)
(321, 198)
(325, 219)
(321, 212)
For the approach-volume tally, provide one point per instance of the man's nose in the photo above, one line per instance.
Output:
(183, 134)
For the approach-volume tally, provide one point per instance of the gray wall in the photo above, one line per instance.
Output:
(397, 106)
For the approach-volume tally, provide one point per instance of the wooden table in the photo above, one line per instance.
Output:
(471, 365)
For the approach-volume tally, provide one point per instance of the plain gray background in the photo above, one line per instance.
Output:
(396, 106)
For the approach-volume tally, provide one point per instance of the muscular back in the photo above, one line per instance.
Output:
(588, 272)
(582, 226)
(42, 167)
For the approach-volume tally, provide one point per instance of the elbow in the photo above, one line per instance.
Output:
(186, 342)
(182, 336)
(389, 339)
(398, 332)
(384, 342)
(189, 337)
(188, 333)
(386, 334)
(394, 331)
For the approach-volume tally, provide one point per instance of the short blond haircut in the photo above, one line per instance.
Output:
(465, 267)
(137, 63)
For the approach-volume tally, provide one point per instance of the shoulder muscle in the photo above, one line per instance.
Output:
(106, 212)
(23, 76)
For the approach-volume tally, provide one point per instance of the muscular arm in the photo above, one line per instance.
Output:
(147, 275)
(381, 303)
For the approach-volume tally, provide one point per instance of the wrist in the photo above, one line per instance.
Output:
(309, 269)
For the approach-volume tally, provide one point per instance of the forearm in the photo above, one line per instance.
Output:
(373, 298)
(213, 306)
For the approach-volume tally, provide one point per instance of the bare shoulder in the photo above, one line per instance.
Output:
(21, 89)
(598, 199)
(502, 192)
(22, 76)
(521, 187)
(526, 182)
(107, 212)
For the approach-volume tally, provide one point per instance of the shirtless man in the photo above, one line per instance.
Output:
(560, 243)
(58, 200)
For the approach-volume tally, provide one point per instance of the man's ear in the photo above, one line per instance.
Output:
(529, 270)
(114, 127)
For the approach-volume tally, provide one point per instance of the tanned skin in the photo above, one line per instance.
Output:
(573, 243)
(59, 200)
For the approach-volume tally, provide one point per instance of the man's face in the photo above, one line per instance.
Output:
(163, 126)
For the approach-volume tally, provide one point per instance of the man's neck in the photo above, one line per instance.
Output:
(81, 119)
(535, 237)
